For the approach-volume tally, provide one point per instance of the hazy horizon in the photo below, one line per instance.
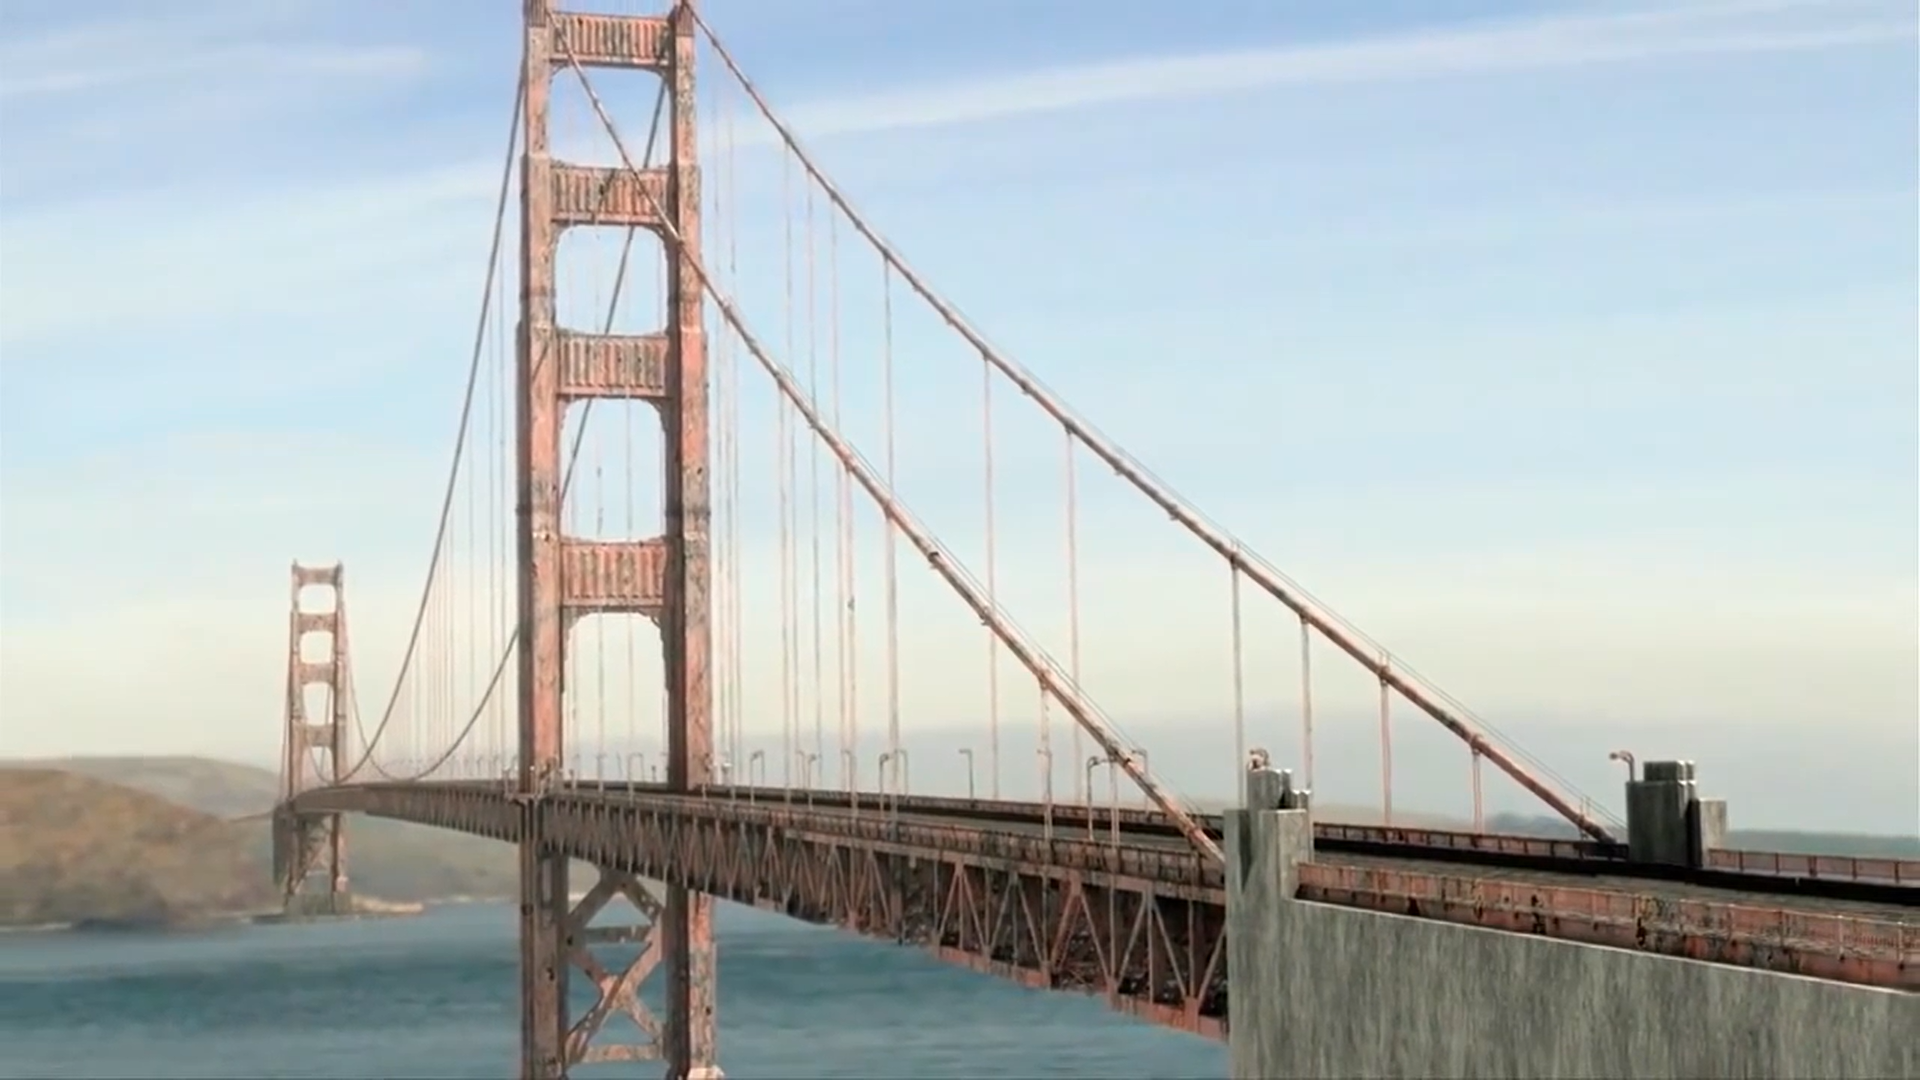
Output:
(1572, 351)
(1431, 771)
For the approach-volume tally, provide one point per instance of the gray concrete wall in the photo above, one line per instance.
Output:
(1326, 991)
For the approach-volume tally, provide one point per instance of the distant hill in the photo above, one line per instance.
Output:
(75, 849)
(390, 860)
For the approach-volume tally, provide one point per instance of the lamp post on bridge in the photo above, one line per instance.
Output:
(807, 761)
(851, 764)
(758, 757)
(967, 752)
(1141, 753)
(1625, 757)
(906, 780)
(1046, 792)
(636, 767)
(1093, 763)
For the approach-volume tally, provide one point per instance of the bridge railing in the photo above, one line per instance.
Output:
(1891, 870)
(1824, 944)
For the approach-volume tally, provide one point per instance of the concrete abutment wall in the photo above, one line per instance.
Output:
(1325, 991)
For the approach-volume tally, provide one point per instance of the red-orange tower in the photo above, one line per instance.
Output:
(315, 752)
(562, 578)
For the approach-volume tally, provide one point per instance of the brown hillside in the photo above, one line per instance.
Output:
(78, 849)
(392, 860)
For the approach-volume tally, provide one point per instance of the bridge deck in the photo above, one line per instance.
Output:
(1122, 905)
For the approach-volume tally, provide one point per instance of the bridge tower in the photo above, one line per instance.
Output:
(562, 578)
(306, 846)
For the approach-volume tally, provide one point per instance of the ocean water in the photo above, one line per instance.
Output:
(434, 997)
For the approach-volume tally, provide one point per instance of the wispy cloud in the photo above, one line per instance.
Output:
(285, 248)
(23, 81)
(220, 40)
(1560, 41)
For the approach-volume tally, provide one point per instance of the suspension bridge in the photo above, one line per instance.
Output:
(595, 692)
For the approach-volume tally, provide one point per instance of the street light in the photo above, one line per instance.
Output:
(1093, 763)
(967, 752)
(1046, 792)
(852, 766)
(807, 761)
(1625, 757)
(636, 766)
(1141, 753)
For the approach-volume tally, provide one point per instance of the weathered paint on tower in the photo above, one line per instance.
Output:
(561, 578)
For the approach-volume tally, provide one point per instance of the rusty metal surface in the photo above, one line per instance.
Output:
(314, 752)
(1142, 927)
(940, 877)
(619, 576)
(644, 42)
(1532, 847)
(1825, 944)
(632, 366)
(1890, 870)
(608, 196)
(561, 578)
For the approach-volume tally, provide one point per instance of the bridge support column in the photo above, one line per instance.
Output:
(1264, 846)
(1667, 820)
(561, 578)
(306, 846)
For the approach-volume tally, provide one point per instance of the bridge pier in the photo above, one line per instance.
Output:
(1325, 990)
(306, 846)
(562, 578)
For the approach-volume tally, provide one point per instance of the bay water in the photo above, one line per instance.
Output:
(435, 996)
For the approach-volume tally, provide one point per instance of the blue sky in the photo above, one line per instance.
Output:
(1569, 348)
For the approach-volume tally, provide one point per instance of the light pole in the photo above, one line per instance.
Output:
(1141, 753)
(1046, 792)
(636, 765)
(967, 752)
(1625, 757)
(1093, 763)
(851, 765)
(807, 761)
(758, 757)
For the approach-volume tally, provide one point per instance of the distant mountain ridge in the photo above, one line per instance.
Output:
(390, 860)
(76, 849)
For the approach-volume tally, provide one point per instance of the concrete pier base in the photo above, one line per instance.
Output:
(1321, 991)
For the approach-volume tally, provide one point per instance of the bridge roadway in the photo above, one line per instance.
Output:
(1115, 902)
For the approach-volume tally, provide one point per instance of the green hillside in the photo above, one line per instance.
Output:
(75, 849)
